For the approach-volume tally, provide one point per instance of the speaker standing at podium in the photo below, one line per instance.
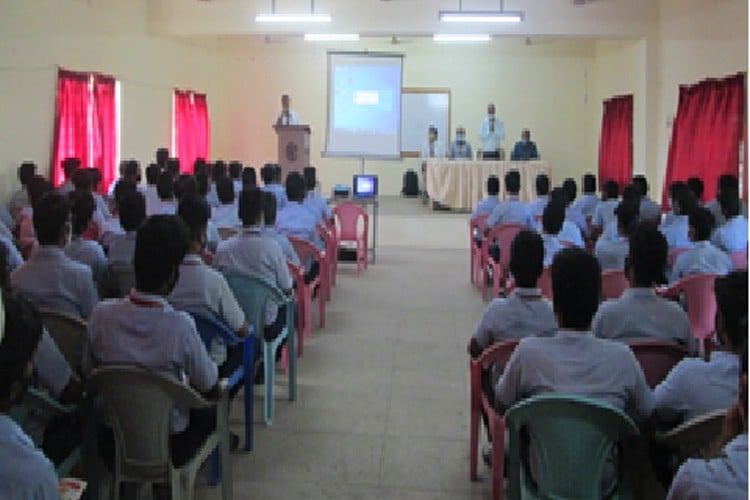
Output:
(287, 116)
(491, 133)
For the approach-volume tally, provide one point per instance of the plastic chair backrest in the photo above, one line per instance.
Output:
(739, 259)
(571, 438)
(138, 405)
(68, 332)
(544, 283)
(696, 438)
(657, 359)
(480, 223)
(348, 215)
(504, 235)
(614, 283)
(252, 292)
(305, 250)
(701, 302)
(210, 328)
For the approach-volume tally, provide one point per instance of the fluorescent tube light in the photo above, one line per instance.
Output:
(460, 38)
(478, 16)
(331, 37)
(293, 18)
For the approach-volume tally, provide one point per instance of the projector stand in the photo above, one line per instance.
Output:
(362, 167)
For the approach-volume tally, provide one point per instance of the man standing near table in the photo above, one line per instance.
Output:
(460, 147)
(287, 116)
(491, 133)
(525, 149)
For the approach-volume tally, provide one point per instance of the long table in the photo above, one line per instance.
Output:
(459, 185)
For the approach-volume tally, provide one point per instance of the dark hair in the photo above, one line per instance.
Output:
(702, 221)
(249, 178)
(124, 186)
(641, 184)
(132, 209)
(683, 200)
(589, 183)
(695, 184)
(38, 186)
(570, 188)
(542, 185)
(235, 169)
(251, 206)
(493, 185)
(728, 181)
(199, 165)
(82, 207)
(153, 172)
(268, 173)
(308, 173)
(647, 254)
(96, 177)
(627, 216)
(611, 190)
(553, 217)
(26, 171)
(51, 213)
(82, 180)
(512, 181)
(675, 188)
(201, 180)
(295, 187)
(165, 186)
(195, 212)
(23, 329)
(576, 285)
(269, 209)
(632, 194)
(729, 199)
(162, 155)
(225, 190)
(277, 173)
(184, 185)
(173, 167)
(70, 165)
(160, 246)
(218, 171)
(559, 194)
(731, 302)
(527, 258)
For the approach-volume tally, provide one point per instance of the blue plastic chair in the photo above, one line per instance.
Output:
(570, 439)
(210, 328)
(252, 292)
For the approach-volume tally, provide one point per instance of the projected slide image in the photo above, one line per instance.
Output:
(364, 98)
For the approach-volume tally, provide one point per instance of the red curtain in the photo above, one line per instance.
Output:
(71, 121)
(706, 133)
(616, 141)
(105, 129)
(191, 128)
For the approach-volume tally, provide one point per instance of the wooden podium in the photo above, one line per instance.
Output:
(294, 148)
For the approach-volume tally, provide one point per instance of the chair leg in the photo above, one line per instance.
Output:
(214, 469)
(292, 365)
(248, 406)
(498, 465)
(321, 311)
(269, 363)
(308, 314)
(473, 441)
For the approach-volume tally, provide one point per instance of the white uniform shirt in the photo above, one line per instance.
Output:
(714, 207)
(122, 249)
(280, 193)
(225, 215)
(536, 209)
(144, 330)
(90, 253)
(152, 199)
(165, 207)
(491, 140)
(111, 229)
(52, 280)
(702, 258)
(552, 245)
(295, 220)
(511, 211)
(586, 205)
(318, 206)
(283, 241)
(576, 363)
(291, 119)
(26, 473)
(649, 210)
(573, 215)
(485, 206)
(524, 313)
(201, 289)
(14, 256)
(675, 230)
(639, 315)
(723, 477)
(571, 233)
(101, 206)
(605, 218)
(732, 235)
(252, 253)
(694, 387)
(611, 253)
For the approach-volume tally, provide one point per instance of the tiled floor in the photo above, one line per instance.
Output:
(382, 411)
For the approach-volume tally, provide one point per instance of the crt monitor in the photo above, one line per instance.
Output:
(365, 186)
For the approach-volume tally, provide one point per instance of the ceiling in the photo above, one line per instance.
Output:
(386, 18)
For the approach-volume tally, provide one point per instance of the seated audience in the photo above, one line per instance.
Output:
(249, 178)
(235, 174)
(69, 167)
(640, 314)
(269, 229)
(695, 387)
(703, 257)
(113, 227)
(38, 187)
(272, 184)
(611, 253)
(51, 279)
(570, 234)
(675, 227)
(552, 223)
(605, 221)
(100, 206)
(173, 167)
(536, 207)
(218, 172)
(314, 202)
(132, 213)
(153, 172)
(488, 204)
(572, 213)
(588, 201)
(511, 210)
(26, 472)
(20, 198)
(649, 210)
(250, 252)
(225, 214)
(85, 251)
(732, 235)
(726, 182)
(695, 185)
(294, 219)
(83, 182)
(167, 205)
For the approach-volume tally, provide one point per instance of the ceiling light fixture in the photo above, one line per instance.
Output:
(274, 17)
(501, 16)
(454, 38)
(331, 37)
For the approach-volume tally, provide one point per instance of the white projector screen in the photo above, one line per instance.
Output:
(364, 105)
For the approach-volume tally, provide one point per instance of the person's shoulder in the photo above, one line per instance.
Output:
(107, 308)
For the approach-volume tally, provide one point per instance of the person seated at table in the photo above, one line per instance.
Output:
(432, 148)
(536, 207)
(725, 182)
(724, 476)
(570, 232)
(696, 186)
(703, 257)
(640, 314)
(588, 201)
(649, 209)
(732, 235)
(525, 149)
(611, 253)
(225, 214)
(604, 221)
(460, 147)
(695, 387)
(552, 223)
(132, 211)
(486, 205)
(273, 185)
(675, 226)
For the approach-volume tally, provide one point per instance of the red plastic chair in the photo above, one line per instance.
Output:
(478, 224)
(673, 254)
(739, 259)
(328, 232)
(701, 304)
(298, 275)
(657, 359)
(503, 235)
(614, 283)
(347, 217)
(326, 280)
(498, 353)
(306, 251)
(544, 284)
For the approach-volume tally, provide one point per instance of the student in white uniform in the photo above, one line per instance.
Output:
(250, 252)
(38, 187)
(732, 235)
(295, 220)
(570, 232)
(152, 197)
(225, 214)
(703, 257)
(132, 213)
(69, 167)
(269, 228)
(218, 172)
(726, 182)
(20, 198)
(99, 204)
(536, 207)
(572, 213)
(25, 471)
(695, 185)
(113, 227)
(639, 314)
(694, 387)
(271, 184)
(611, 253)
(83, 182)
(675, 227)
(249, 179)
(142, 329)
(649, 209)
(486, 205)
(511, 210)
(167, 205)
(51, 279)
(235, 174)
(588, 201)
(314, 202)
(605, 222)
(82, 250)
(724, 476)
(552, 223)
